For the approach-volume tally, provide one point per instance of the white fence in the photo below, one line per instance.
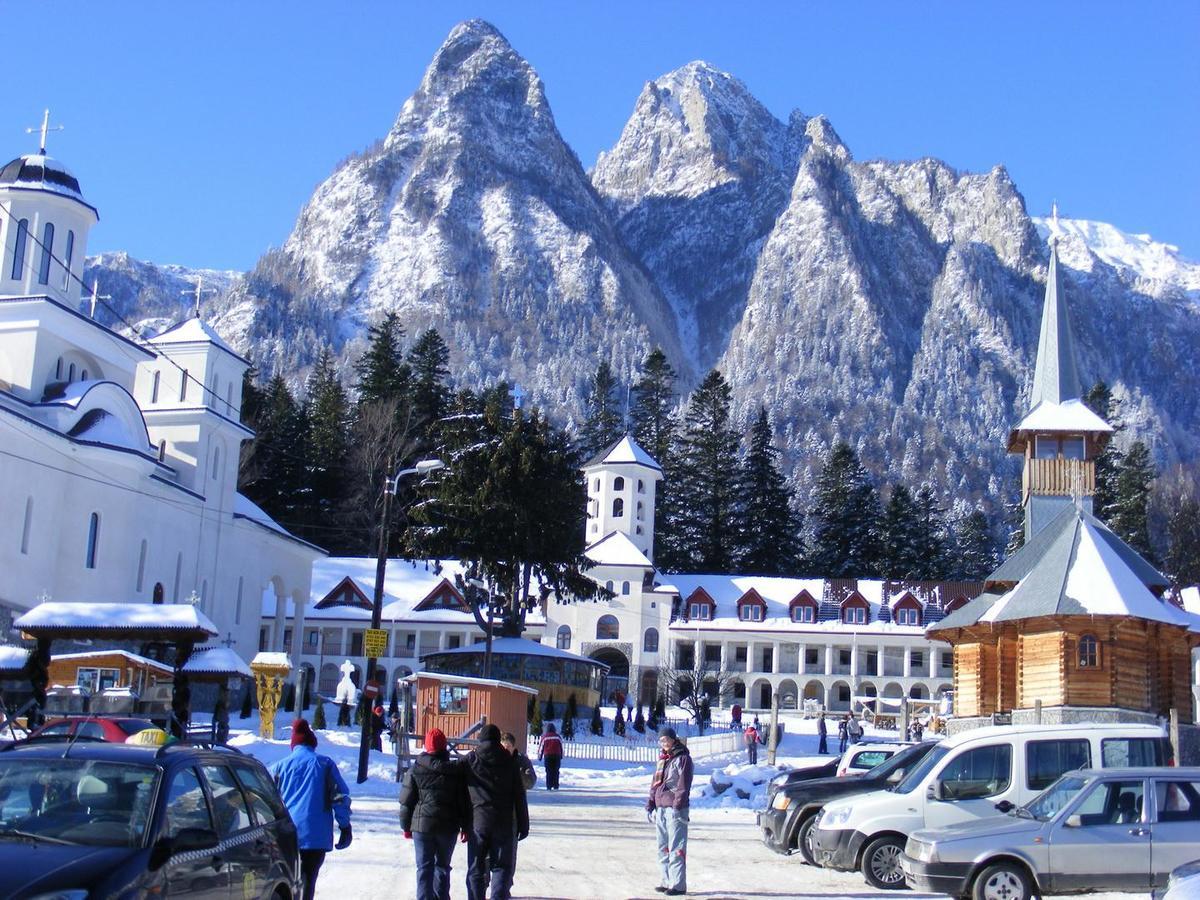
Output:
(640, 751)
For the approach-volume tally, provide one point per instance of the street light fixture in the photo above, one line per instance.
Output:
(390, 485)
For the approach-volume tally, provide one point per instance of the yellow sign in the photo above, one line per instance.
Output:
(375, 643)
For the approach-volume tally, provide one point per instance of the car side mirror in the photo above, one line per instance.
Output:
(934, 791)
(1005, 806)
(1074, 821)
(896, 777)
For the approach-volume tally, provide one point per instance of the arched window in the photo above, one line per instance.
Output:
(237, 609)
(650, 641)
(93, 540)
(47, 254)
(68, 256)
(157, 593)
(28, 526)
(625, 588)
(178, 575)
(608, 585)
(216, 388)
(18, 264)
(641, 486)
(1089, 652)
(141, 569)
(608, 629)
(58, 370)
(71, 372)
(154, 387)
(618, 483)
(216, 461)
(183, 380)
(162, 450)
(83, 375)
(564, 637)
(639, 511)
(618, 508)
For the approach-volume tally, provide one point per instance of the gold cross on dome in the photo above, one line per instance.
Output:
(46, 127)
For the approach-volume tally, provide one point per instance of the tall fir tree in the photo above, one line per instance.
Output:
(769, 533)
(428, 363)
(1129, 517)
(383, 375)
(604, 420)
(706, 464)
(899, 537)
(1182, 560)
(933, 535)
(651, 414)
(1108, 463)
(1014, 517)
(328, 421)
(845, 515)
(976, 556)
(276, 474)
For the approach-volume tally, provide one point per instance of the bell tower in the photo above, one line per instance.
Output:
(621, 482)
(1059, 437)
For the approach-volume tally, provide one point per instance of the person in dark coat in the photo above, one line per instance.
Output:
(434, 809)
(843, 732)
(497, 793)
(822, 733)
(508, 741)
(551, 753)
(378, 726)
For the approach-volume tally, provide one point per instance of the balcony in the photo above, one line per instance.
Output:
(1058, 477)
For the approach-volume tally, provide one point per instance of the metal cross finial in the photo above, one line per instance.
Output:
(230, 640)
(96, 295)
(46, 127)
(198, 292)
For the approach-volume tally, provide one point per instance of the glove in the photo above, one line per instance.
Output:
(408, 835)
(462, 837)
(650, 815)
(521, 835)
(345, 836)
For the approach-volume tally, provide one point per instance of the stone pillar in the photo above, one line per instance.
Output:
(829, 659)
(879, 664)
(776, 665)
(908, 662)
(854, 660)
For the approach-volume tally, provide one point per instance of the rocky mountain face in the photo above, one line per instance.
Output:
(894, 305)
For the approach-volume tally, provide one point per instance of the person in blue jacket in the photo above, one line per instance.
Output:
(315, 794)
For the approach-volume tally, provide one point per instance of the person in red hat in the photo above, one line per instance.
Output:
(315, 794)
(434, 808)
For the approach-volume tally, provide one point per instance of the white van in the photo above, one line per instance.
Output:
(967, 777)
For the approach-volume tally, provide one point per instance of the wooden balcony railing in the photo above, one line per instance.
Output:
(1060, 477)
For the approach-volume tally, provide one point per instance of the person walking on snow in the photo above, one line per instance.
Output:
(750, 736)
(434, 809)
(822, 734)
(667, 808)
(497, 793)
(854, 729)
(843, 733)
(551, 753)
(315, 794)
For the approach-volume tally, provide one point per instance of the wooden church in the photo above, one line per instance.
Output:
(1076, 618)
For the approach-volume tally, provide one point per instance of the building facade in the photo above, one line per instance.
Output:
(118, 454)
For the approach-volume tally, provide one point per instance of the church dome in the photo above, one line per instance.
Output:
(38, 171)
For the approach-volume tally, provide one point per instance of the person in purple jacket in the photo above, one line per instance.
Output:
(667, 808)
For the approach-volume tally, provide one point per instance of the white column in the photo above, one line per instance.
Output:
(907, 662)
(829, 659)
(800, 661)
(854, 660)
(879, 663)
(776, 665)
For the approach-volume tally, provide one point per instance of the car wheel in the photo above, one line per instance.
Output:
(804, 837)
(881, 863)
(1002, 881)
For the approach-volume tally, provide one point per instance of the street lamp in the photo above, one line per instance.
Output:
(424, 467)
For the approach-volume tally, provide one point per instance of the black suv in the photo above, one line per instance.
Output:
(92, 819)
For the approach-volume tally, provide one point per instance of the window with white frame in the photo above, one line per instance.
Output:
(854, 615)
(750, 612)
(908, 615)
(699, 610)
(804, 613)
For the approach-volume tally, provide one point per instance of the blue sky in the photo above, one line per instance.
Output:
(200, 129)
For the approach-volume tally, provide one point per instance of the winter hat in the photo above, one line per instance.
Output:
(550, 728)
(489, 733)
(668, 732)
(435, 740)
(302, 733)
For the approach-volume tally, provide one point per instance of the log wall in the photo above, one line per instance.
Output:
(1040, 669)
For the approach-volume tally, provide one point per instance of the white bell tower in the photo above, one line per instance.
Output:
(621, 483)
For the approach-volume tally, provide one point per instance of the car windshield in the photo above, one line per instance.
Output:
(901, 760)
(1046, 805)
(923, 768)
(101, 804)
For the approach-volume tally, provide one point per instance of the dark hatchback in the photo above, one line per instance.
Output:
(792, 810)
(92, 819)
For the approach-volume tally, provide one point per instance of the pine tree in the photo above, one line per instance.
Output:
(289, 698)
(651, 413)
(845, 513)
(318, 722)
(1129, 518)
(603, 421)
(932, 536)
(428, 361)
(274, 473)
(328, 421)
(550, 710)
(247, 701)
(568, 722)
(639, 722)
(572, 709)
(652, 717)
(900, 523)
(535, 722)
(976, 556)
(597, 721)
(1014, 519)
(382, 373)
(769, 536)
(1182, 561)
(619, 723)
(1108, 463)
(707, 468)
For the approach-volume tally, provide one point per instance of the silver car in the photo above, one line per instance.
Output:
(1095, 829)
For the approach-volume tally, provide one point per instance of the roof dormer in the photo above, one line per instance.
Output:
(803, 608)
(855, 610)
(751, 607)
(443, 596)
(699, 606)
(908, 610)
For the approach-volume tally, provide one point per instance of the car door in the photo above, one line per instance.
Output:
(195, 874)
(971, 784)
(1175, 831)
(275, 838)
(241, 841)
(1102, 842)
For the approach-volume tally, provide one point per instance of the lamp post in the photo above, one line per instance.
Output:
(424, 467)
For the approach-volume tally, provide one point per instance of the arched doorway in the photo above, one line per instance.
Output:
(814, 690)
(327, 684)
(617, 679)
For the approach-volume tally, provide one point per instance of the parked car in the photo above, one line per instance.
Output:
(857, 760)
(1092, 830)
(1183, 884)
(962, 779)
(121, 820)
(787, 821)
(826, 769)
(99, 728)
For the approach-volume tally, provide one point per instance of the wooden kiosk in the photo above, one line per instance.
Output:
(456, 703)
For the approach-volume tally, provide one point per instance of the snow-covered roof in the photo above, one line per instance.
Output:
(57, 615)
(1071, 415)
(463, 679)
(271, 658)
(510, 646)
(616, 549)
(217, 661)
(1073, 566)
(1055, 377)
(624, 450)
(1191, 599)
(194, 331)
(13, 659)
(37, 170)
(132, 657)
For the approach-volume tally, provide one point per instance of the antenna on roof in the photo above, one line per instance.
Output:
(198, 292)
(45, 127)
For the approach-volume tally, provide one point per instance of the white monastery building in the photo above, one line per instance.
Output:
(119, 455)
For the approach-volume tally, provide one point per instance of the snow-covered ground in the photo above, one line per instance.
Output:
(590, 839)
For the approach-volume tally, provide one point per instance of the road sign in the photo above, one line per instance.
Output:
(375, 642)
(372, 689)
